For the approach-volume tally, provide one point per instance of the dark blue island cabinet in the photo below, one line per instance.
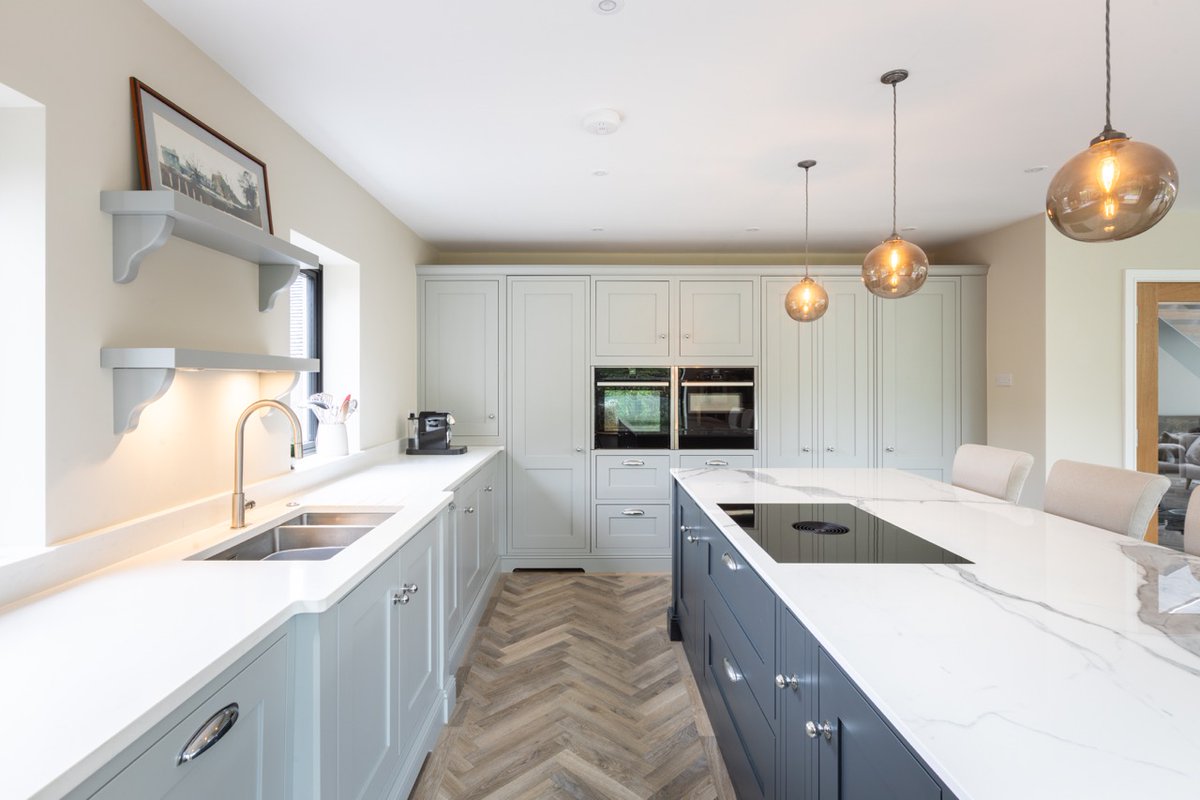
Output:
(790, 724)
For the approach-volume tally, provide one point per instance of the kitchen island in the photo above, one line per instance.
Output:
(1063, 661)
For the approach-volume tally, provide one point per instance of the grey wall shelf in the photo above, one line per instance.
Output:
(144, 220)
(142, 375)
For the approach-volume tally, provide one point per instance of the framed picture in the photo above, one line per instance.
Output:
(179, 152)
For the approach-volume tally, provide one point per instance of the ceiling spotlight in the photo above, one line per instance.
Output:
(600, 173)
(607, 7)
(597, 230)
(602, 121)
(753, 230)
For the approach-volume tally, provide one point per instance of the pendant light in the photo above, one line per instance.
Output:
(1115, 189)
(807, 300)
(895, 268)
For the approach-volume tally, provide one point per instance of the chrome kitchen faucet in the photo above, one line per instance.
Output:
(239, 435)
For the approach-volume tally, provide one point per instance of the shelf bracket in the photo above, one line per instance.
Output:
(274, 280)
(133, 390)
(134, 237)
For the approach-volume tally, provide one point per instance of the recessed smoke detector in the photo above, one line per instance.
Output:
(602, 121)
(607, 7)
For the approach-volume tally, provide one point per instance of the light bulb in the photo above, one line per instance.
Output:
(895, 268)
(806, 301)
(1115, 189)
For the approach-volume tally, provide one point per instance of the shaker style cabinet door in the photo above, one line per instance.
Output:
(918, 360)
(692, 544)
(632, 318)
(368, 723)
(246, 762)
(789, 370)
(716, 318)
(844, 335)
(797, 683)
(461, 354)
(551, 404)
(418, 628)
(860, 758)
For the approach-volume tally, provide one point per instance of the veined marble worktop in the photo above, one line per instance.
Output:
(87, 668)
(1063, 663)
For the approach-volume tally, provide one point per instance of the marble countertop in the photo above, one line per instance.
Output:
(1064, 662)
(88, 667)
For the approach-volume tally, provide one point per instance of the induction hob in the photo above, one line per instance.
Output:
(833, 533)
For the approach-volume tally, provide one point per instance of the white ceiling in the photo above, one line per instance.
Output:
(463, 117)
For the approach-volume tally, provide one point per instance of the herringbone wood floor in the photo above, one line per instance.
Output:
(572, 690)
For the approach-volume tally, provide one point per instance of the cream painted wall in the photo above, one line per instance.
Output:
(1016, 339)
(707, 258)
(1085, 333)
(76, 61)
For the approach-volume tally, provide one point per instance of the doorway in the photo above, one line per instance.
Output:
(1167, 398)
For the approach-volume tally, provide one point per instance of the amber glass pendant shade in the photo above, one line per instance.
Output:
(806, 301)
(1115, 189)
(895, 268)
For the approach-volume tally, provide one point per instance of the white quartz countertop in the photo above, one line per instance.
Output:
(1063, 663)
(89, 667)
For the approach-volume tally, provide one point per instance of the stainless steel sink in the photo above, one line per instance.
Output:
(311, 536)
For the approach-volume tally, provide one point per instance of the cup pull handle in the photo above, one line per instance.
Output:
(634, 512)
(633, 462)
(716, 462)
(728, 561)
(209, 734)
(730, 672)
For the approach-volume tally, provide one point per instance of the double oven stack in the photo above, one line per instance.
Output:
(675, 408)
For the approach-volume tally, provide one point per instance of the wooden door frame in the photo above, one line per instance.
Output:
(1144, 290)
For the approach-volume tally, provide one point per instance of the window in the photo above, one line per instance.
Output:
(304, 334)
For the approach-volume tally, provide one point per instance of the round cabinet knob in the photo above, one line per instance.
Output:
(401, 598)
(410, 588)
(786, 682)
(662, 336)
(813, 730)
(690, 539)
(470, 510)
(828, 449)
(578, 449)
(805, 449)
(687, 336)
(890, 449)
(491, 416)
(487, 489)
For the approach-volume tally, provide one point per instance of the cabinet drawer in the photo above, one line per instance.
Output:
(748, 731)
(633, 478)
(248, 760)
(751, 603)
(633, 528)
(757, 670)
(732, 462)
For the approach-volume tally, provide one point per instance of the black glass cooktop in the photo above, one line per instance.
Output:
(833, 533)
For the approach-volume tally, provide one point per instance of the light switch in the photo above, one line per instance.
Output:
(1004, 379)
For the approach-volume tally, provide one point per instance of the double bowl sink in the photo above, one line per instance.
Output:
(308, 536)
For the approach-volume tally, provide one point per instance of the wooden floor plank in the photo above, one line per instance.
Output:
(571, 689)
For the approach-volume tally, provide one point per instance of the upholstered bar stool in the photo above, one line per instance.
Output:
(993, 471)
(1118, 500)
(1191, 524)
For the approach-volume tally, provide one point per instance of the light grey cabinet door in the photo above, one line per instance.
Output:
(468, 516)
(918, 373)
(550, 404)
(453, 611)
(488, 520)
(418, 628)
(789, 360)
(247, 762)
(844, 335)
(632, 318)
(368, 725)
(716, 318)
(461, 354)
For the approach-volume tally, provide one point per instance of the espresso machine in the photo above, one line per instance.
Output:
(429, 435)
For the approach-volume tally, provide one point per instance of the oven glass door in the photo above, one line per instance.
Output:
(633, 408)
(716, 409)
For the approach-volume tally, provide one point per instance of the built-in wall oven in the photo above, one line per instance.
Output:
(716, 409)
(633, 407)
(686, 408)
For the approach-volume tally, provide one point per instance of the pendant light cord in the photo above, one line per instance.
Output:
(806, 222)
(894, 158)
(1107, 68)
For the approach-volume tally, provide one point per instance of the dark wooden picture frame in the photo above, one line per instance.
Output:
(212, 170)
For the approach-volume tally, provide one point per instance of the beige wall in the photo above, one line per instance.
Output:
(76, 61)
(1085, 333)
(634, 258)
(1016, 339)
